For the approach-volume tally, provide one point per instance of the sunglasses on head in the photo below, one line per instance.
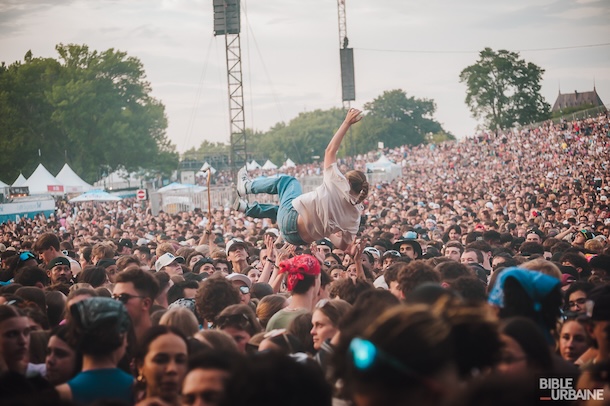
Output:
(240, 321)
(365, 355)
(391, 253)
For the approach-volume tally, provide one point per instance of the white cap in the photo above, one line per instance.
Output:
(234, 241)
(166, 259)
(373, 251)
(273, 231)
(240, 277)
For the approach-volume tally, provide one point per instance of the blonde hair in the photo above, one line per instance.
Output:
(103, 250)
(594, 245)
(543, 266)
(181, 318)
(358, 184)
(164, 248)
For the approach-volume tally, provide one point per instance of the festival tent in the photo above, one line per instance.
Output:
(252, 165)
(204, 168)
(71, 181)
(119, 179)
(2, 184)
(42, 182)
(95, 196)
(181, 187)
(19, 181)
(174, 186)
(269, 165)
(289, 163)
(383, 164)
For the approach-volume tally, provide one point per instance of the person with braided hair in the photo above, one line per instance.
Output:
(331, 211)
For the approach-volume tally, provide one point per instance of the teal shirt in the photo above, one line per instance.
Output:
(107, 384)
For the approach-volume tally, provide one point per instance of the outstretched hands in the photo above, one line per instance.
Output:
(330, 155)
(353, 116)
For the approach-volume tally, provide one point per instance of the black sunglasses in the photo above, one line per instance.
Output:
(126, 297)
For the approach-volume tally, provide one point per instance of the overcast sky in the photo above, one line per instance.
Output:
(290, 51)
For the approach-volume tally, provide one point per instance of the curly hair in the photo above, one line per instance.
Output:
(415, 274)
(213, 296)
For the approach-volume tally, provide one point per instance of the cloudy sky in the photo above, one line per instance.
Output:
(290, 51)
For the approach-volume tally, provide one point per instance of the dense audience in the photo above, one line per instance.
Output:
(484, 267)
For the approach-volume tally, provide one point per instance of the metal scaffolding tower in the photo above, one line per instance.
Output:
(227, 23)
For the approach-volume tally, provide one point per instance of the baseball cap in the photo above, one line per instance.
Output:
(235, 242)
(273, 231)
(142, 241)
(125, 242)
(105, 262)
(240, 277)
(325, 241)
(58, 261)
(166, 259)
(410, 235)
(373, 251)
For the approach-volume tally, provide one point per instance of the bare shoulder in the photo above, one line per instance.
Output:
(65, 393)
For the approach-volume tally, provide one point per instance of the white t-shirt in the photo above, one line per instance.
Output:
(329, 209)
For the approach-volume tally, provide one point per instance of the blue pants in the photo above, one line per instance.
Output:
(287, 188)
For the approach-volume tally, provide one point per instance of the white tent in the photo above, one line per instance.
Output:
(289, 163)
(383, 164)
(95, 196)
(186, 187)
(252, 165)
(2, 184)
(205, 167)
(42, 182)
(269, 165)
(119, 179)
(19, 181)
(71, 181)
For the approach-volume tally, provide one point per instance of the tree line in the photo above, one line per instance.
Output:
(94, 110)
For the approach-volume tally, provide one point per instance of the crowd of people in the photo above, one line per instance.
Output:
(479, 273)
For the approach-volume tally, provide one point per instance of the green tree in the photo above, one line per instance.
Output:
(303, 138)
(400, 119)
(504, 90)
(91, 109)
(25, 127)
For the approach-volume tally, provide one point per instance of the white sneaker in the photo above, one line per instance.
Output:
(242, 182)
(240, 205)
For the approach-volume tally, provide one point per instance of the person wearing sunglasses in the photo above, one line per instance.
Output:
(244, 284)
(137, 290)
(240, 322)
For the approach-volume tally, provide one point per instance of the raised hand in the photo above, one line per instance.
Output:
(353, 116)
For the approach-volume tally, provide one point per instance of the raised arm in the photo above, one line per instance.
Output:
(330, 156)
